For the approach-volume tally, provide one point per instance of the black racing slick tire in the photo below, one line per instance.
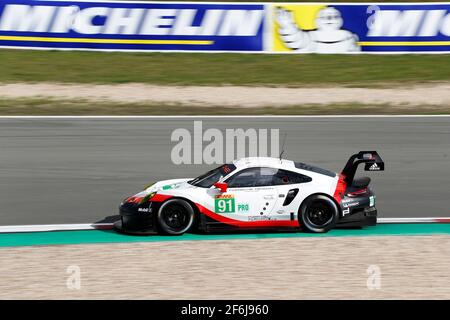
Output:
(175, 217)
(318, 214)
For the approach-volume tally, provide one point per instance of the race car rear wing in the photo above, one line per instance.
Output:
(372, 160)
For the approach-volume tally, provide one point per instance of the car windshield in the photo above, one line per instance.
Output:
(207, 179)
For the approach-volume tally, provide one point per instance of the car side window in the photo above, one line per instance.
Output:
(277, 177)
(266, 177)
(244, 178)
(263, 176)
(283, 177)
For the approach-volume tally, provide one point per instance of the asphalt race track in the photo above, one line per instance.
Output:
(78, 170)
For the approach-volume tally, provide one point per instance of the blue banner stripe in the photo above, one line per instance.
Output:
(139, 26)
(263, 27)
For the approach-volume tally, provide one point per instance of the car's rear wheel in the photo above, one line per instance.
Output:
(318, 214)
(175, 217)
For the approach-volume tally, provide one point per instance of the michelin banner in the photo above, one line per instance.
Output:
(350, 28)
(225, 27)
(129, 25)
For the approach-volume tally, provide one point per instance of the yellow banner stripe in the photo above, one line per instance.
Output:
(108, 41)
(403, 43)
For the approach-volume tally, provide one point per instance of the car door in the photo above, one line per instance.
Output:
(253, 195)
(291, 190)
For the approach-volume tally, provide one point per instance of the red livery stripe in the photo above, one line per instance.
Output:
(340, 189)
(160, 197)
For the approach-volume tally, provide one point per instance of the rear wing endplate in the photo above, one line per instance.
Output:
(371, 159)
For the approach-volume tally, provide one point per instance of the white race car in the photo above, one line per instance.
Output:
(256, 193)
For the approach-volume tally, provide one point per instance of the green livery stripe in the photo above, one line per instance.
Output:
(110, 236)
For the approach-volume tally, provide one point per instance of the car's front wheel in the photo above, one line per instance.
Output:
(318, 214)
(175, 217)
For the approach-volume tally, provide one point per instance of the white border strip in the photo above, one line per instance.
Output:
(54, 227)
(94, 226)
(414, 220)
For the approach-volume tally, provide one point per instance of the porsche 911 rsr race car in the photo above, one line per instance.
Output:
(256, 193)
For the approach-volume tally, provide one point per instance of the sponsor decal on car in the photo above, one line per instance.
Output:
(171, 186)
(347, 203)
(243, 207)
(259, 218)
(224, 203)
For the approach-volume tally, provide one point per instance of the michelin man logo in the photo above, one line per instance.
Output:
(328, 37)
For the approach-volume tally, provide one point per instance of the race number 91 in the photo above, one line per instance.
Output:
(224, 205)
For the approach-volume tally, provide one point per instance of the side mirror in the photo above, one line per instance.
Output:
(222, 186)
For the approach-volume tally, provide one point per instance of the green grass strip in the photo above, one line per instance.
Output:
(53, 107)
(222, 69)
(109, 236)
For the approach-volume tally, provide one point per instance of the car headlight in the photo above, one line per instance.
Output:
(134, 199)
(148, 197)
(139, 199)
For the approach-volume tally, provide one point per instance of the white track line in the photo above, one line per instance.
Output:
(226, 117)
(54, 227)
(414, 220)
(94, 226)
